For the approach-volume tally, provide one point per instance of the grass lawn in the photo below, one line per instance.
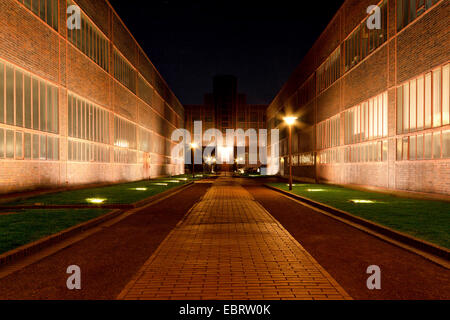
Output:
(426, 219)
(123, 193)
(25, 226)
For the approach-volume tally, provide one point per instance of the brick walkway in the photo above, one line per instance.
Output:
(229, 247)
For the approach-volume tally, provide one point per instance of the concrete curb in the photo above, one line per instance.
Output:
(426, 249)
(30, 248)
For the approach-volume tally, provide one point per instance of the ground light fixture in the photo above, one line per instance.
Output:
(290, 121)
(315, 190)
(139, 189)
(361, 201)
(159, 184)
(95, 200)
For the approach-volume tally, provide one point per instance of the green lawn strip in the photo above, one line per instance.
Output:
(425, 219)
(123, 193)
(26, 226)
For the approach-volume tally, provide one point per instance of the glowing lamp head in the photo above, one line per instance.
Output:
(289, 120)
(194, 145)
(95, 200)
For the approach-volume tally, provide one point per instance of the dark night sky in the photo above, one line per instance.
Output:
(260, 42)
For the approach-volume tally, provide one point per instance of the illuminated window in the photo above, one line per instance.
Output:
(409, 10)
(47, 10)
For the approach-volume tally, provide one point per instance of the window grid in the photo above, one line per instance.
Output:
(47, 10)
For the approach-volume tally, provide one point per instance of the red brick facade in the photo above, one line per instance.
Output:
(418, 49)
(32, 47)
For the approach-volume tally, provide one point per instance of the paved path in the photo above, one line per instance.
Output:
(229, 247)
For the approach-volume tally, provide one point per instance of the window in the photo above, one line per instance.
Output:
(424, 102)
(328, 133)
(9, 144)
(90, 41)
(124, 72)
(445, 144)
(46, 9)
(2, 143)
(329, 72)
(363, 41)
(408, 10)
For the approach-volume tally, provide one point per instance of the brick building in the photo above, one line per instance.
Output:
(373, 104)
(226, 108)
(79, 106)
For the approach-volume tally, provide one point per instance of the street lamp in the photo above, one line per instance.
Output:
(290, 121)
(193, 147)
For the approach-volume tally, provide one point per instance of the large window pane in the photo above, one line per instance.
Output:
(427, 144)
(405, 107)
(19, 98)
(446, 144)
(42, 94)
(9, 144)
(2, 143)
(437, 98)
(428, 100)
(412, 105)
(437, 145)
(445, 95)
(2, 93)
(27, 145)
(385, 114)
(420, 147)
(420, 102)
(399, 109)
(9, 95)
(19, 145)
(405, 141)
(49, 118)
(43, 153)
(35, 146)
(55, 109)
(399, 149)
(35, 104)
(412, 148)
(27, 100)
(69, 115)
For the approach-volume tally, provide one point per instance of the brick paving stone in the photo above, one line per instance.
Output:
(229, 247)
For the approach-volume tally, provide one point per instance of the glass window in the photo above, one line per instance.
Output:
(19, 98)
(412, 148)
(399, 109)
(49, 148)
(9, 95)
(405, 141)
(27, 145)
(420, 102)
(55, 108)
(385, 114)
(385, 150)
(405, 107)
(420, 147)
(42, 93)
(427, 144)
(19, 145)
(49, 119)
(412, 105)
(9, 144)
(2, 143)
(399, 149)
(437, 98)
(35, 146)
(428, 100)
(2, 93)
(446, 144)
(69, 116)
(43, 144)
(445, 95)
(436, 145)
(27, 100)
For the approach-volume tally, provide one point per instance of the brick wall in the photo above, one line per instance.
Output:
(417, 48)
(29, 43)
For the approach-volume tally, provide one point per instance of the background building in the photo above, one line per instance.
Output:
(224, 109)
(79, 106)
(373, 105)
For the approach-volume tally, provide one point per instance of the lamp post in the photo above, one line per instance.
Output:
(290, 121)
(193, 147)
